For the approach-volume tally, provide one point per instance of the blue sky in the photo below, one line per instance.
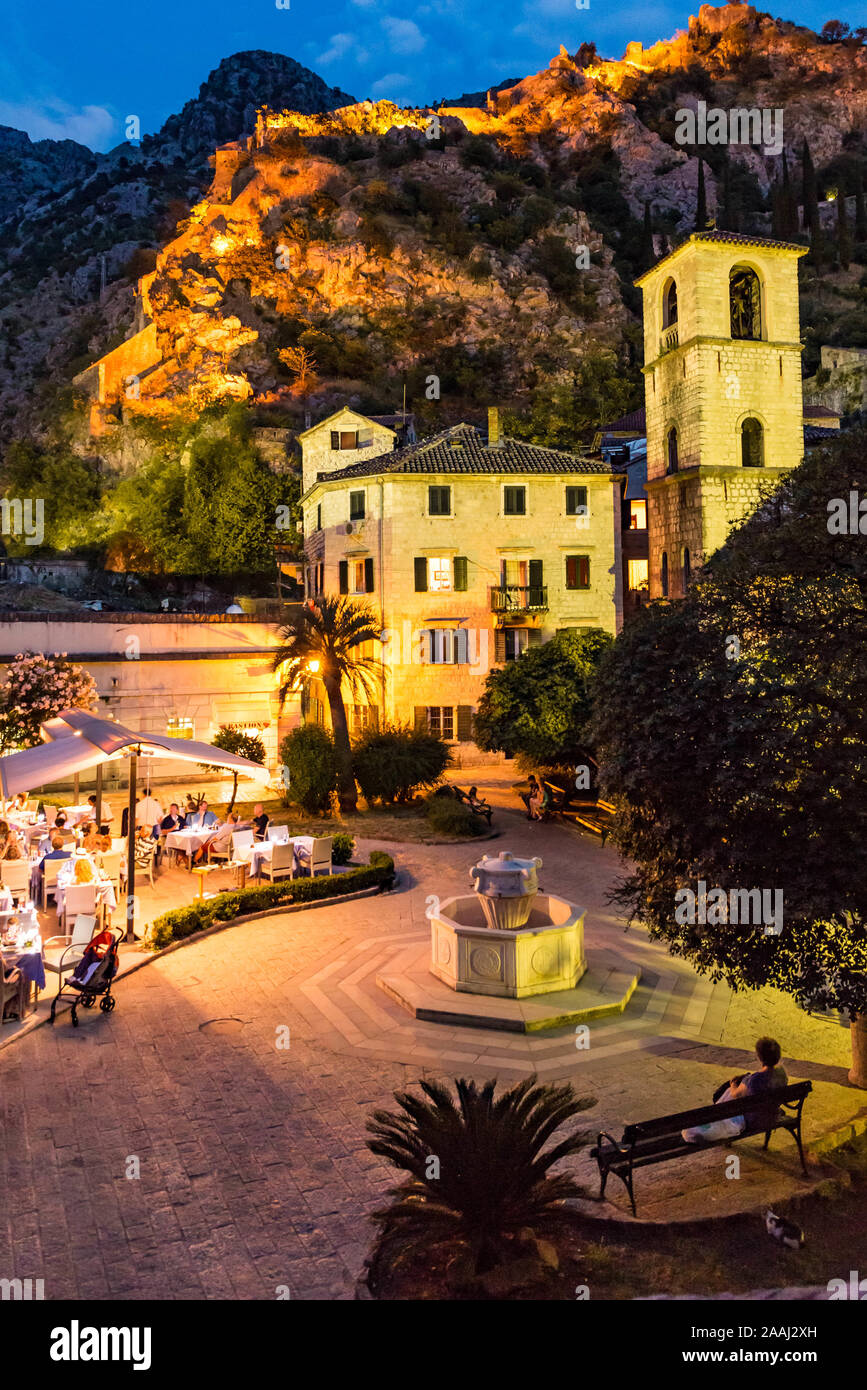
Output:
(78, 70)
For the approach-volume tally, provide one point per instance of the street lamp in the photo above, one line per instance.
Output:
(313, 665)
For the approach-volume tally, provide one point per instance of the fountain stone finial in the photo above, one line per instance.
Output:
(506, 887)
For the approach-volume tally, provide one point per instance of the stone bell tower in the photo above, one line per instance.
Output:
(722, 353)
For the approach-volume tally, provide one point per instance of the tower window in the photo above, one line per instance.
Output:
(752, 444)
(669, 305)
(663, 575)
(687, 568)
(672, 450)
(745, 303)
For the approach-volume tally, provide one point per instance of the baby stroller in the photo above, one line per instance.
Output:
(93, 976)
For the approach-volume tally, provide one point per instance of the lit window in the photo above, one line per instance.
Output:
(179, 727)
(439, 575)
(636, 574)
(517, 640)
(638, 515)
(745, 303)
(358, 577)
(577, 571)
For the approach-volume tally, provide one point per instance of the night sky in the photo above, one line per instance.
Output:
(78, 70)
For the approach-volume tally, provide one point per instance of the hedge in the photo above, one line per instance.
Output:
(206, 912)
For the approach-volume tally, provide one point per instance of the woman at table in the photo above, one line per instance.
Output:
(12, 848)
(261, 821)
(20, 802)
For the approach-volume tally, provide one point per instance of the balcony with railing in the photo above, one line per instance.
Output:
(669, 339)
(519, 598)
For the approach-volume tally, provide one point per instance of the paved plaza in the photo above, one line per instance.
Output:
(208, 1138)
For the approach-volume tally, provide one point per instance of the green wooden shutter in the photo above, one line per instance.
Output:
(420, 574)
(368, 575)
(421, 718)
(499, 645)
(535, 576)
(343, 571)
(465, 723)
(460, 573)
(534, 637)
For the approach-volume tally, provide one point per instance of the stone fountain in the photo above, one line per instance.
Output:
(507, 938)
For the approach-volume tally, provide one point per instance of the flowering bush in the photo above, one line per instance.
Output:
(37, 688)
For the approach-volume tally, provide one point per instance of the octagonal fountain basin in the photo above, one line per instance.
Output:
(543, 955)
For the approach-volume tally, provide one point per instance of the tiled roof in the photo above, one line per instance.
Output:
(464, 449)
(816, 434)
(633, 423)
(726, 238)
(820, 412)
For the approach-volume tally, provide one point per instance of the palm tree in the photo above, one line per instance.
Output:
(479, 1176)
(323, 642)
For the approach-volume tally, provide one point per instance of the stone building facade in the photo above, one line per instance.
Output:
(470, 548)
(722, 392)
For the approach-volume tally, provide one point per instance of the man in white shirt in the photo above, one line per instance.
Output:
(148, 811)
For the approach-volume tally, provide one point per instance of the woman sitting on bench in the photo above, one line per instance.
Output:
(771, 1077)
(482, 808)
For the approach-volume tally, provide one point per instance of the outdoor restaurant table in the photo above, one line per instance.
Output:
(264, 849)
(105, 894)
(188, 841)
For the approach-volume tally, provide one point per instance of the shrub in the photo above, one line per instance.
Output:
(390, 763)
(313, 764)
(342, 847)
(449, 817)
(186, 921)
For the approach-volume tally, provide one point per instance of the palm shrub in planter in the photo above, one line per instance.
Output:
(314, 766)
(480, 1199)
(391, 763)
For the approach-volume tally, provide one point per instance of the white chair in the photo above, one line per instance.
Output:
(278, 834)
(50, 870)
(320, 856)
(74, 947)
(242, 843)
(78, 898)
(15, 875)
(110, 862)
(280, 865)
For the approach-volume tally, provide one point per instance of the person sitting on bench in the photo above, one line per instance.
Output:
(481, 807)
(540, 800)
(527, 796)
(771, 1077)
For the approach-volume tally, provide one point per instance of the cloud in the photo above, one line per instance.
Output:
(343, 46)
(404, 35)
(53, 119)
(390, 83)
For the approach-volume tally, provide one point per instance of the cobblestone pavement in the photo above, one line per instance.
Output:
(253, 1168)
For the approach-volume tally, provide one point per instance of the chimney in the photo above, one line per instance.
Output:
(495, 440)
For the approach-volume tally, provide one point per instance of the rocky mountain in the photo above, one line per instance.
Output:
(352, 254)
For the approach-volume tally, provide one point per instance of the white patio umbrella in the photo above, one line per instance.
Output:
(76, 740)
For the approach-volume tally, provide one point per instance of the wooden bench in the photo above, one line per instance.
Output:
(657, 1141)
(481, 808)
(595, 816)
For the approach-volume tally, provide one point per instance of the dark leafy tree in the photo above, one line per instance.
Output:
(860, 210)
(731, 730)
(844, 236)
(701, 200)
(538, 707)
(392, 763)
(233, 739)
(490, 1178)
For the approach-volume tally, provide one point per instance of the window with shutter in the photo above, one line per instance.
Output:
(343, 573)
(439, 501)
(514, 500)
(536, 596)
(535, 636)
(460, 647)
(420, 574)
(576, 501)
(356, 506)
(460, 566)
(421, 720)
(465, 723)
(335, 439)
(577, 572)
(499, 646)
(368, 575)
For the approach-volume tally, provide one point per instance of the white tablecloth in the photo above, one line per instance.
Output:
(262, 850)
(188, 841)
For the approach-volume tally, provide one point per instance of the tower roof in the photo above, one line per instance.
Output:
(727, 239)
